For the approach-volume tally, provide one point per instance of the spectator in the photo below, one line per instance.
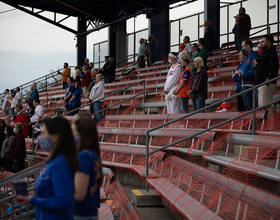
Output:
(90, 66)
(65, 75)
(187, 48)
(236, 78)
(241, 29)
(68, 94)
(88, 178)
(184, 83)
(97, 92)
(55, 187)
(23, 119)
(203, 53)
(198, 85)
(30, 113)
(141, 53)
(93, 73)
(152, 49)
(92, 83)
(17, 149)
(6, 163)
(75, 100)
(267, 69)
(87, 62)
(247, 73)
(209, 37)
(110, 71)
(86, 80)
(171, 83)
(6, 102)
(2, 131)
(34, 93)
(16, 100)
(77, 76)
(107, 63)
(195, 50)
(38, 115)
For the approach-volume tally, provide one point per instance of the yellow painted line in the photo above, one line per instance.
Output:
(244, 146)
(137, 192)
(110, 202)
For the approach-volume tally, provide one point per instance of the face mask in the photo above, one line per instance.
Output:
(193, 49)
(5, 132)
(77, 138)
(27, 107)
(45, 143)
(139, 42)
(15, 111)
(169, 60)
(15, 131)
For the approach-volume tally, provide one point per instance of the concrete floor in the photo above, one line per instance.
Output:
(150, 213)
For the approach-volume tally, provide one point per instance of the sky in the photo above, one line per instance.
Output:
(30, 47)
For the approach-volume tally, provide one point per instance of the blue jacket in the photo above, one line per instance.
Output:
(54, 191)
(247, 70)
(237, 79)
(33, 95)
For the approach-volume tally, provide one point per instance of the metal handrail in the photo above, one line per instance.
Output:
(148, 153)
(109, 107)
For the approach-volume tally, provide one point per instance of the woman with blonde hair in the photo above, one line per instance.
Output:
(77, 75)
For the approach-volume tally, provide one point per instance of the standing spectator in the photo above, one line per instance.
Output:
(23, 119)
(242, 27)
(77, 76)
(110, 71)
(107, 63)
(152, 49)
(195, 50)
(87, 62)
(55, 188)
(92, 83)
(86, 80)
(2, 131)
(141, 53)
(18, 149)
(171, 83)
(31, 112)
(236, 78)
(16, 100)
(68, 94)
(90, 66)
(6, 163)
(65, 75)
(247, 73)
(88, 178)
(184, 83)
(203, 53)
(267, 69)
(6, 102)
(34, 93)
(75, 100)
(187, 48)
(97, 92)
(38, 115)
(198, 85)
(209, 37)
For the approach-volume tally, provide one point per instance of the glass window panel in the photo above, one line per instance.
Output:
(130, 43)
(174, 49)
(258, 13)
(103, 51)
(223, 20)
(130, 25)
(201, 21)
(96, 53)
(174, 33)
(189, 27)
(141, 22)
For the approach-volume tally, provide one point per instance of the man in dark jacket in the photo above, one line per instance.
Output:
(152, 49)
(209, 37)
(110, 71)
(2, 133)
(267, 69)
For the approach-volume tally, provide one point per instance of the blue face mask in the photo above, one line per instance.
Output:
(15, 130)
(139, 42)
(77, 138)
(45, 143)
(15, 111)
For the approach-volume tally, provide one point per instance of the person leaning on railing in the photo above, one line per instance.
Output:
(54, 189)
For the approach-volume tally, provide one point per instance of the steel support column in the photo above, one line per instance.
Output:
(81, 41)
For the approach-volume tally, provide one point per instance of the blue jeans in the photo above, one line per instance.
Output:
(12, 111)
(97, 106)
(247, 98)
(109, 78)
(185, 104)
(238, 42)
(198, 103)
(79, 217)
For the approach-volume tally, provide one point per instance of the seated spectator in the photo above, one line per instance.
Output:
(6, 163)
(88, 178)
(185, 48)
(77, 75)
(17, 149)
(184, 83)
(195, 50)
(16, 100)
(171, 83)
(6, 102)
(236, 78)
(93, 73)
(110, 71)
(198, 85)
(23, 119)
(2, 131)
(203, 53)
(34, 93)
(38, 115)
(68, 94)
(30, 113)
(75, 100)
(247, 73)
(97, 92)
(86, 80)
(90, 66)
(65, 75)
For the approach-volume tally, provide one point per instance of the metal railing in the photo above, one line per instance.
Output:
(8, 193)
(253, 89)
(101, 99)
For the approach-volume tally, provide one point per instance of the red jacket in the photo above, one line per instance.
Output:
(86, 80)
(23, 119)
(17, 148)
